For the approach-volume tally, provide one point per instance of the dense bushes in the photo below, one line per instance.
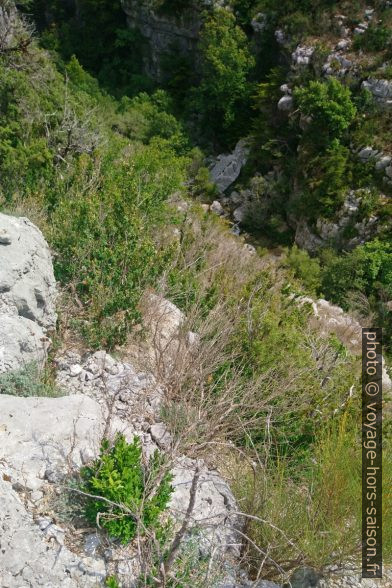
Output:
(104, 237)
(329, 106)
(65, 146)
(225, 64)
(72, 27)
(367, 269)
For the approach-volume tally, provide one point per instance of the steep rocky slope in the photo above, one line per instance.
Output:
(46, 440)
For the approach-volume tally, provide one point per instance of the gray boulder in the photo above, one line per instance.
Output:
(34, 556)
(304, 578)
(21, 342)
(367, 153)
(305, 239)
(381, 90)
(286, 103)
(302, 56)
(214, 511)
(27, 293)
(383, 162)
(43, 437)
(228, 167)
(259, 22)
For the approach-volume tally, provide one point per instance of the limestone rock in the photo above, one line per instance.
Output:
(367, 153)
(27, 293)
(343, 45)
(21, 342)
(241, 213)
(304, 578)
(162, 317)
(27, 283)
(217, 207)
(383, 162)
(259, 22)
(228, 167)
(305, 239)
(10, 24)
(286, 103)
(214, 508)
(281, 37)
(337, 65)
(165, 32)
(381, 90)
(331, 319)
(106, 380)
(302, 55)
(31, 557)
(44, 436)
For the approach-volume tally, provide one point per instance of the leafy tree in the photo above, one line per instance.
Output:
(329, 106)
(225, 64)
(327, 180)
(367, 269)
(96, 32)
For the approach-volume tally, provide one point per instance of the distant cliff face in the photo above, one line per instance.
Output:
(166, 32)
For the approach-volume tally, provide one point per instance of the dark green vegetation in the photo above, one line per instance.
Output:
(119, 477)
(95, 154)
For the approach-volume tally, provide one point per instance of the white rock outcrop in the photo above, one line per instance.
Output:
(331, 319)
(381, 90)
(42, 439)
(214, 510)
(27, 293)
(34, 556)
(302, 55)
(228, 167)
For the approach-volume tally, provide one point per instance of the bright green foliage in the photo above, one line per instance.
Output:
(65, 147)
(145, 117)
(225, 64)
(105, 236)
(314, 517)
(305, 268)
(329, 105)
(119, 476)
(277, 342)
(112, 582)
(366, 269)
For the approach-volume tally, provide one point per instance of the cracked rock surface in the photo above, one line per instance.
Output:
(27, 293)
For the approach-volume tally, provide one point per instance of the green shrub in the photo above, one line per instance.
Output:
(305, 268)
(119, 476)
(225, 64)
(367, 269)
(375, 38)
(330, 107)
(326, 182)
(28, 381)
(112, 582)
(104, 236)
